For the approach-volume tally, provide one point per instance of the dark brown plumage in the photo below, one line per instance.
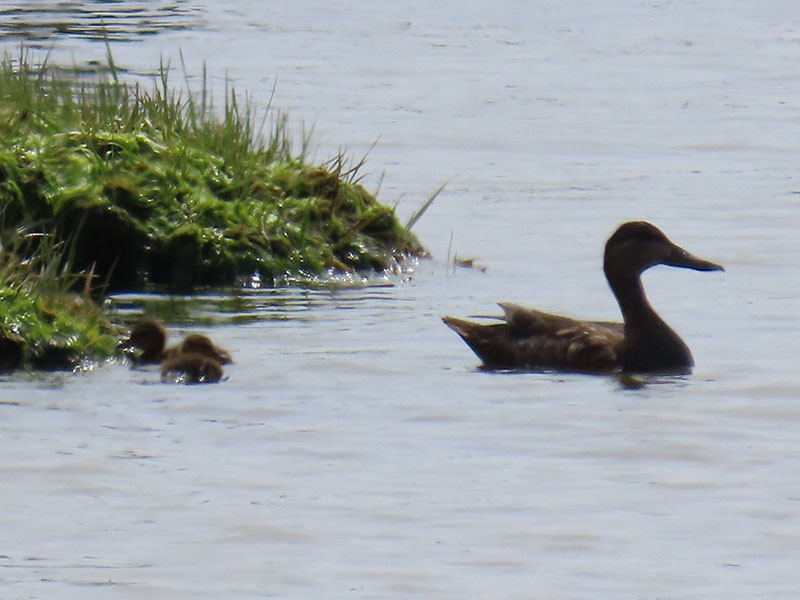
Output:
(191, 367)
(195, 360)
(528, 338)
(150, 336)
(197, 343)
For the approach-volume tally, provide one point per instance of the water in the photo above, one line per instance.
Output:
(355, 450)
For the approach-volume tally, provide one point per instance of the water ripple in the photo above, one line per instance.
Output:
(118, 21)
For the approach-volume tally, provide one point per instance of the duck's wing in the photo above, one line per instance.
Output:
(526, 321)
(530, 338)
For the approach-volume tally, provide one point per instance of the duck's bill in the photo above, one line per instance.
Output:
(681, 258)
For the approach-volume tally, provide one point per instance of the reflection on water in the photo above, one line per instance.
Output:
(248, 306)
(96, 20)
(292, 298)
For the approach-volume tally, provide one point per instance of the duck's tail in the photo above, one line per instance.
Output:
(493, 344)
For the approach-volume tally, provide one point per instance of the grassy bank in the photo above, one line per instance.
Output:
(44, 322)
(158, 188)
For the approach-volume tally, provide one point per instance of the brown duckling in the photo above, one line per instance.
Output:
(191, 367)
(529, 338)
(150, 336)
(197, 343)
(195, 360)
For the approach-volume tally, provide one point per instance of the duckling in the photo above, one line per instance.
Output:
(197, 343)
(529, 338)
(195, 360)
(191, 367)
(150, 336)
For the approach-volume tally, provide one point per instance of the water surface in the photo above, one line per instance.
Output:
(355, 449)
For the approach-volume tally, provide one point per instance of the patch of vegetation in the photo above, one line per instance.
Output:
(157, 188)
(142, 189)
(43, 322)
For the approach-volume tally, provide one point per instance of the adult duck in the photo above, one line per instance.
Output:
(195, 360)
(529, 338)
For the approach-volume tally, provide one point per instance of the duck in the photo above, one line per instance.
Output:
(195, 360)
(526, 338)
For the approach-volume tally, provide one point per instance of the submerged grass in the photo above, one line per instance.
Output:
(158, 187)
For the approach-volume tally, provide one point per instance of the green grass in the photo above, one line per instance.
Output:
(108, 186)
(43, 322)
(160, 187)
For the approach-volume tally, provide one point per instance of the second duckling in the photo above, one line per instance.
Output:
(191, 367)
(195, 360)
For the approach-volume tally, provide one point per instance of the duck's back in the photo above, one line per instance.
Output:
(531, 338)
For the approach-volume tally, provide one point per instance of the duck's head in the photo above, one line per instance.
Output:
(197, 343)
(638, 245)
(147, 335)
